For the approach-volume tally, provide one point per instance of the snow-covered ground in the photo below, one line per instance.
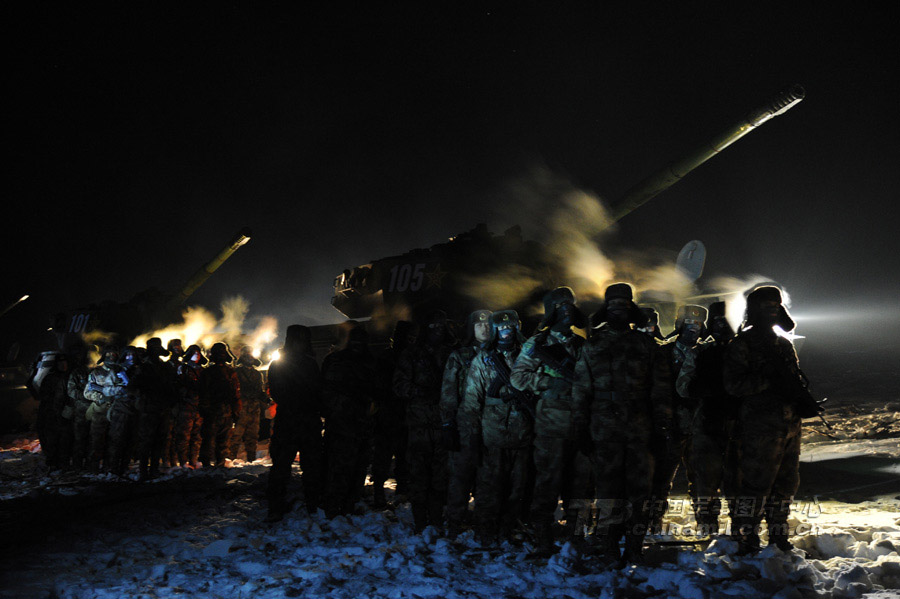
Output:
(201, 534)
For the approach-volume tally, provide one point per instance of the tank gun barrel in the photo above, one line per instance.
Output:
(675, 171)
(206, 271)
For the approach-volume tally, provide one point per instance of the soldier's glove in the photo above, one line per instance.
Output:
(450, 436)
(123, 378)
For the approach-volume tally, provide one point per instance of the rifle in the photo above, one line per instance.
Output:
(798, 388)
(525, 401)
(565, 367)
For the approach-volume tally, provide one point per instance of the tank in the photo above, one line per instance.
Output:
(421, 280)
(150, 309)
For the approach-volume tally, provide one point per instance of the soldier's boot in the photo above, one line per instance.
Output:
(634, 549)
(277, 509)
(606, 546)
(379, 501)
(778, 536)
(543, 539)
(747, 537)
(420, 516)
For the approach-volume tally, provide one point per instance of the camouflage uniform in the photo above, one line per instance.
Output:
(560, 469)
(123, 423)
(254, 400)
(462, 463)
(295, 385)
(621, 400)
(187, 422)
(417, 381)
(220, 406)
(103, 388)
(81, 426)
(669, 455)
(348, 378)
(506, 434)
(711, 457)
(769, 430)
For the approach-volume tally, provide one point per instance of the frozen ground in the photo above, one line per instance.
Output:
(200, 534)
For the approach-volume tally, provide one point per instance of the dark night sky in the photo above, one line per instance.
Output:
(143, 139)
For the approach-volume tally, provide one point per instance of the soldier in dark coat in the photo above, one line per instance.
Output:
(51, 426)
(390, 416)
(546, 367)
(348, 380)
(253, 399)
(81, 426)
(417, 380)
(712, 453)
(761, 372)
(621, 402)
(155, 384)
(295, 386)
(460, 435)
(220, 405)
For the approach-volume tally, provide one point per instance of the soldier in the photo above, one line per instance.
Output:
(390, 416)
(652, 326)
(188, 422)
(123, 411)
(254, 400)
(348, 378)
(681, 352)
(176, 353)
(220, 405)
(761, 371)
(295, 386)
(546, 367)
(155, 383)
(506, 417)
(417, 381)
(103, 387)
(711, 455)
(621, 401)
(81, 426)
(51, 426)
(460, 436)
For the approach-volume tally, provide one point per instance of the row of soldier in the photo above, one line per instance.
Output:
(517, 424)
(162, 406)
(520, 424)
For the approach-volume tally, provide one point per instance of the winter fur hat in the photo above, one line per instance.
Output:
(195, 349)
(619, 291)
(475, 317)
(298, 339)
(560, 295)
(219, 352)
(247, 358)
(768, 293)
(505, 317)
(155, 347)
(717, 316)
(691, 312)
